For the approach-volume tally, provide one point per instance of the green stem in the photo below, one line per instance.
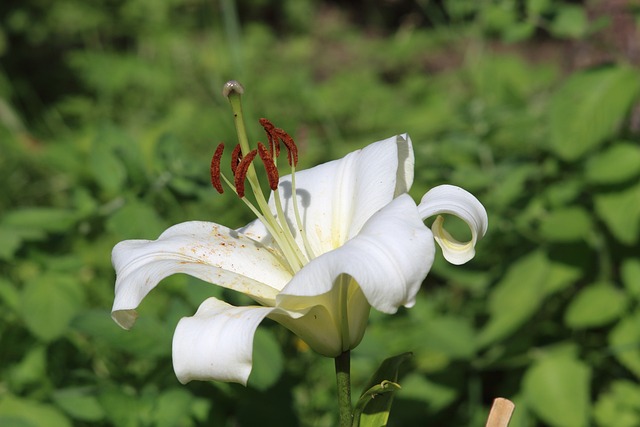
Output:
(343, 378)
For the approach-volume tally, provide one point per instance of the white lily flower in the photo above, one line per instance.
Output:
(333, 241)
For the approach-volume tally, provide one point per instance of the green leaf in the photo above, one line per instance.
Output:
(9, 294)
(449, 335)
(570, 21)
(432, 396)
(630, 274)
(616, 164)
(106, 167)
(23, 412)
(624, 339)
(595, 305)
(49, 303)
(31, 368)
(563, 193)
(536, 7)
(557, 390)
(620, 211)
(268, 360)
(148, 338)
(121, 407)
(588, 108)
(561, 276)
(566, 225)
(30, 222)
(173, 408)
(518, 31)
(11, 240)
(135, 219)
(619, 405)
(522, 416)
(515, 298)
(79, 403)
(374, 405)
(510, 185)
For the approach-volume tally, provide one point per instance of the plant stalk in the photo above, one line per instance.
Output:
(343, 378)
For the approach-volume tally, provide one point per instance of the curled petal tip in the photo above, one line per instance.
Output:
(455, 252)
(452, 200)
(232, 87)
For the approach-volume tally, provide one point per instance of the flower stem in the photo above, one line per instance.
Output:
(343, 378)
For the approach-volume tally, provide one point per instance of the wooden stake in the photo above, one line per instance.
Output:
(500, 413)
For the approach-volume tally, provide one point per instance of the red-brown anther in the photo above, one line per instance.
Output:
(274, 143)
(270, 167)
(266, 124)
(236, 156)
(276, 135)
(215, 168)
(241, 171)
(292, 149)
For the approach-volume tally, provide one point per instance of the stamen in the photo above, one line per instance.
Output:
(236, 156)
(266, 124)
(215, 168)
(276, 223)
(292, 149)
(241, 171)
(270, 167)
(274, 143)
(276, 135)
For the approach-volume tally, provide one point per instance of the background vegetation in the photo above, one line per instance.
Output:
(110, 109)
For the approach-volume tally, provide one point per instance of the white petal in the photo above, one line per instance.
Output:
(321, 324)
(217, 342)
(208, 251)
(338, 197)
(449, 199)
(388, 259)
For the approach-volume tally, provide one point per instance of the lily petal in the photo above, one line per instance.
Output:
(388, 259)
(449, 199)
(338, 197)
(208, 251)
(321, 325)
(217, 342)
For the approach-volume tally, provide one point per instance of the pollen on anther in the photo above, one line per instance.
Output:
(292, 149)
(236, 156)
(241, 172)
(274, 143)
(270, 167)
(215, 168)
(266, 124)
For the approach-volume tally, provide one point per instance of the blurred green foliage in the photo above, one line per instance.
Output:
(109, 111)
